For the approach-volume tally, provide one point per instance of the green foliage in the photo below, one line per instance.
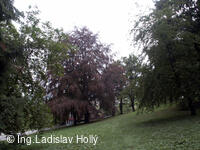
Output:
(170, 39)
(133, 68)
(8, 11)
(12, 115)
(11, 103)
(38, 115)
(24, 57)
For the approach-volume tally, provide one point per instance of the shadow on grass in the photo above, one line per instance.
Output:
(166, 118)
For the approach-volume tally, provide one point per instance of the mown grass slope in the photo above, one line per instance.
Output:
(167, 129)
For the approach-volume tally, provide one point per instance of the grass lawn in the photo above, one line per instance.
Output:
(167, 129)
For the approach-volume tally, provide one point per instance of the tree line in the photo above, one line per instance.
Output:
(46, 75)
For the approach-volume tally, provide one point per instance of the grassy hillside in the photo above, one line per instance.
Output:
(165, 129)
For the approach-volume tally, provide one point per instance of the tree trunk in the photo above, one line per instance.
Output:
(75, 118)
(133, 104)
(192, 108)
(121, 106)
(113, 111)
(63, 122)
(87, 117)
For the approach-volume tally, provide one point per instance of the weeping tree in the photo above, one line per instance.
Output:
(170, 40)
(80, 87)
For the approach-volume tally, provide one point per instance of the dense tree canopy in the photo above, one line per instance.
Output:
(9, 53)
(8, 11)
(81, 85)
(170, 38)
(25, 54)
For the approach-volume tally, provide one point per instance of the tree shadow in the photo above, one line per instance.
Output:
(165, 120)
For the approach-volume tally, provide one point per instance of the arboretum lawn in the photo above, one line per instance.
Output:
(167, 129)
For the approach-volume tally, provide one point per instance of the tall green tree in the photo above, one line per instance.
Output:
(132, 67)
(25, 55)
(7, 13)
(9, 53)
(170, 37)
